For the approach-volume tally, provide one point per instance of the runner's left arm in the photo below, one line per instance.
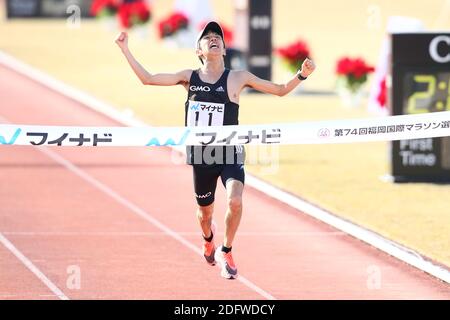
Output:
(266, 86)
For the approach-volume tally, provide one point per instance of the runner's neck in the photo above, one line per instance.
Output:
(213, 68)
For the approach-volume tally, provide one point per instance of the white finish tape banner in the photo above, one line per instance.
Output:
(425, 125)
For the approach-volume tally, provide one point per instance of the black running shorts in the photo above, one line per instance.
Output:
(205, 179)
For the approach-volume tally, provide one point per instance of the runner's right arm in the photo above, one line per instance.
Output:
(157, 79)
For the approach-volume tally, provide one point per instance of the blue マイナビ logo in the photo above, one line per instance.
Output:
(195, 106)
(169, 142)
(13, 138)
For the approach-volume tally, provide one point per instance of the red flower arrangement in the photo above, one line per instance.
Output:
(133, 13)
(104, 8)
(294, 54)
(382, 95)
(228, 36)
(353, 73)
(172, 24)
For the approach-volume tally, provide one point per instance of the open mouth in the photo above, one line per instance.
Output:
(213, 46)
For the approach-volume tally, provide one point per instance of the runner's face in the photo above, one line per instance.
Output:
(211, 44)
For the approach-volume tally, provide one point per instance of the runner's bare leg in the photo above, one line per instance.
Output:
(204, 216)
(234, 210)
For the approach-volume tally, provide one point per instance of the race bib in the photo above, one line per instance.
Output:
(201, 114)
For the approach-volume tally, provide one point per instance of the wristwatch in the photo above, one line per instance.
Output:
(300, 77)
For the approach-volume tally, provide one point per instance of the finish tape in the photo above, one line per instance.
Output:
(403, 127)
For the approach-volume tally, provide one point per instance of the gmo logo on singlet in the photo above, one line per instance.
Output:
(200, 88)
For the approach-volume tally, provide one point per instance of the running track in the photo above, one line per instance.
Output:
(125, 218)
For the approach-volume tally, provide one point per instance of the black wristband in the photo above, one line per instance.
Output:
(300, 77)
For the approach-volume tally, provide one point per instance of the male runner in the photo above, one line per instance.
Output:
(213, 99)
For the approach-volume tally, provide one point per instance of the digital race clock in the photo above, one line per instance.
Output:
(420, 74)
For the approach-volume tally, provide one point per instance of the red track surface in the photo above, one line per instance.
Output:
(97, 209)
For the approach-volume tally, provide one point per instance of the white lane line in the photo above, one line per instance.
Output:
(38, 273)
(142, 213)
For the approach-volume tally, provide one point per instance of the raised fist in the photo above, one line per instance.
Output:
(122, 40)
(308, 67)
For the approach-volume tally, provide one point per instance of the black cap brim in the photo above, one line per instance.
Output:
(211, 26)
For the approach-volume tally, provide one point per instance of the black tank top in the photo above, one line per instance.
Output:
(208, 104)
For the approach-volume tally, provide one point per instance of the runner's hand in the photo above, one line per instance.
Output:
(122, 40)
(308, 67)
